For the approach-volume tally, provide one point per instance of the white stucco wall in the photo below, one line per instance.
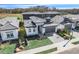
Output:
(32, 32)
(73, 25)
(4, 35)
(43, 30)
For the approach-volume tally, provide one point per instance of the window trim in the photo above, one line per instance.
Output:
(10, 34)
(29, 29)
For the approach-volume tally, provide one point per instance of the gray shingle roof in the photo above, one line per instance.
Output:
(8, 26)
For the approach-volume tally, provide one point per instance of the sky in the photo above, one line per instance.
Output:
(59, 6)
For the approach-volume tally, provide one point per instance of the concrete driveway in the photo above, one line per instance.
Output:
(55, 38)
(76, 36)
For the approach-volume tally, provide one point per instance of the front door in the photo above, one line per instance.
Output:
(39, 29)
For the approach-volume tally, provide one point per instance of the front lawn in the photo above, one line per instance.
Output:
(7, 48)
(38, 43)
(77, 42)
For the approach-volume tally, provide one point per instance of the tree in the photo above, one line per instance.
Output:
(22, 33)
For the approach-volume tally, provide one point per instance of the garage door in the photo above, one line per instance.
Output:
(50, 29)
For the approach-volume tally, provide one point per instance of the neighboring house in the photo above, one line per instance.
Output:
(74, 19)
(26, 15)
(9, 28)
(48, 22)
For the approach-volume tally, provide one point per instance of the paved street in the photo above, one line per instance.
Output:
(71, 50)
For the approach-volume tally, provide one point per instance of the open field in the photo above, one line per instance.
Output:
(10, 15)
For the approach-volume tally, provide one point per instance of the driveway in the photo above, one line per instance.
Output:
(76, 36)
(55, 38)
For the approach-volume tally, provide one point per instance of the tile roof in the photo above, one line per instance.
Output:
(12, 20)
(73, 18)
(7, 26)
(57, 19)
(37, 19)
(28, 23)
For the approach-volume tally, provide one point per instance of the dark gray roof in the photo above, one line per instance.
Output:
(47, 25)
(31, 13)
(8, 26)
(49, 12)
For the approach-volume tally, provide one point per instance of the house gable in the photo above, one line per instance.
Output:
(7, 26)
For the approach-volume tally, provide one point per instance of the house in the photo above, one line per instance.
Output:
(74, 20)
(9, 28)
(47, 24)
(36, 25)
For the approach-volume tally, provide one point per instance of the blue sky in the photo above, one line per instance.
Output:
(60, 6)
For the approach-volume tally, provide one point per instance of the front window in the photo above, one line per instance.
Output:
(9, 34)
(29, 30)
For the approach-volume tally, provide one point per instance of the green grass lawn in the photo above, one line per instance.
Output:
(77, 42)
(7, 49)
(38, 43)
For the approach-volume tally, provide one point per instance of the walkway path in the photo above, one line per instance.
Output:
(56, 38)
